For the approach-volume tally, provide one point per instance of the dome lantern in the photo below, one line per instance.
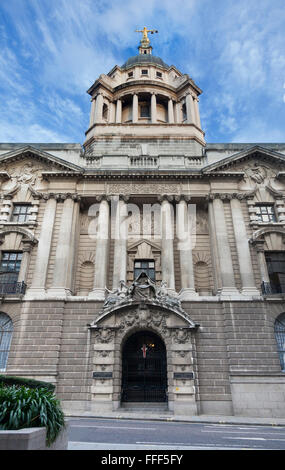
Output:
(145, 47)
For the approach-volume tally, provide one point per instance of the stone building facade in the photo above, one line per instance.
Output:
(149, 265)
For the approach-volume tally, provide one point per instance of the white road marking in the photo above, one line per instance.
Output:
(187, 446)
(248, 432)
(249, 438)
(255, 439)
(76, 445)
(110, 427)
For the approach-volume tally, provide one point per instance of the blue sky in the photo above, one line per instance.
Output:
(51, 51)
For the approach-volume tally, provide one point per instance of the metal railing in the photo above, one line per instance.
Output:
(8, 288)
(269, 289)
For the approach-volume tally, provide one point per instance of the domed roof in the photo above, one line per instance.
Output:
(144, 59)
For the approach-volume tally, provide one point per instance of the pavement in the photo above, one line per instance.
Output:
(167, 416)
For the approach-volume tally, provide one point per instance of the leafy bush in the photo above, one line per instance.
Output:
(31, 383)
(23, 407)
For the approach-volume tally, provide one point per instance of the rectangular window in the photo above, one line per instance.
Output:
(184, 112)
(21, 213)
(159, 74)
(266, 213)
(9, 269)
(144, 72)
(144, 111)
(275, 261)
(145, 266)
(130, 74)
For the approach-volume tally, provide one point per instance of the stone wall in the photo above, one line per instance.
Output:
(235, 359)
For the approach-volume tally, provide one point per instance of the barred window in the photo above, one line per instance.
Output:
(280, 338)
(21, 213)
(10, 266)
(6, 331)
(275, 261)
(266, 213)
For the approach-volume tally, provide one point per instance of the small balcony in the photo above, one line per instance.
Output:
(12, 288)
(268, 288)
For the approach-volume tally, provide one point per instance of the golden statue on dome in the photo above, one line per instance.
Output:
(145, 31)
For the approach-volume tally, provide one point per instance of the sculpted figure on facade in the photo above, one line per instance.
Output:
(117, 296)
(143, 289)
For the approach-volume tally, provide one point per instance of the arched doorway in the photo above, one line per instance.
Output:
(144, 368)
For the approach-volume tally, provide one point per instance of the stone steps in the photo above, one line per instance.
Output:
(145, 408)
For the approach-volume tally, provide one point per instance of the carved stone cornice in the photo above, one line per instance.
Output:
(228, 196)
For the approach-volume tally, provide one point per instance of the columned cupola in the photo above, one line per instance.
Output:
(144, 99)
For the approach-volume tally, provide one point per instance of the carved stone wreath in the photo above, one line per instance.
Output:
(144, 317)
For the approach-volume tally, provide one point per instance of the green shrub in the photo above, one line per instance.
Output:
(31, 383)
(23, 407)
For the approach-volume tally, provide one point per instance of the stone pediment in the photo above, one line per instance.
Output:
(143, 247)
(24, 168)
(240, 161)
(48, 161)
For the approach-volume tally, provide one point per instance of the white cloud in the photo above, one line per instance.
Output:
(258, 130)
(233, 50)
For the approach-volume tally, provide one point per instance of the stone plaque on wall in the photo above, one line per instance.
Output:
(183, 375)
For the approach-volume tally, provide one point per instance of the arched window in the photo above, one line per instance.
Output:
(279, 329)
(6, 330)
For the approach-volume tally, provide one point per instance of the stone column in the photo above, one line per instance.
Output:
(214, 249)
(185, 245)
(119, 112)
(223, 250)
(27, 247)
(265, 281)
(170, 111)
(98, 108)
(120, 234)
(92, 112)
(190, 109)
(167, 236)
(43, 253)
(64, 256)
(112, 112)
(153, 108)
(197, 114)
(242, 244)
(178, 111)
(135, 108)
(102, 252)
(73, 249)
